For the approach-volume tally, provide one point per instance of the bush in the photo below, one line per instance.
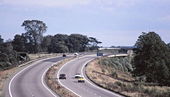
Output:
(116, 63)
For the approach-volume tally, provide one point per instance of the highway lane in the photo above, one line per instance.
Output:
(87, 89)
(30, 81)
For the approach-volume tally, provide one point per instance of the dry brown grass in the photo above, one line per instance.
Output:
(53, 83)
(122, 82)
(35, 56)
(3, 77)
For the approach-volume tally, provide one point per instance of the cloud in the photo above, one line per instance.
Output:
(46, 3)
(71, 3)
(117, 3)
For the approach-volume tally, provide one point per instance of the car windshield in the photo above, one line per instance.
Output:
(78, 74)
(62, 74)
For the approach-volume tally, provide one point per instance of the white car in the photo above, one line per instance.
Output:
(76, 54)
(77, 75)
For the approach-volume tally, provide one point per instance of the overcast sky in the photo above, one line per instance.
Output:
(114, 22)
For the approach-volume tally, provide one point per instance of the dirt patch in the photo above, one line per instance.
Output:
(53, 83)
(122, 82)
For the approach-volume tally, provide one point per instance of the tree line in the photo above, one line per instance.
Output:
(33, 41)
(59, 43)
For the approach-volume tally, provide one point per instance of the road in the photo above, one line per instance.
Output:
(87, 89)
(29, 82)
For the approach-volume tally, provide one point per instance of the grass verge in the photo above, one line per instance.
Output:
(122, 83)
(53, 83)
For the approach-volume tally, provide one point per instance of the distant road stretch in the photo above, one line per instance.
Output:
(29, 82)
(87, 89)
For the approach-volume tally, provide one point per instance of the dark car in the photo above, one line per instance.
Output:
(62, 76)
(64, 55)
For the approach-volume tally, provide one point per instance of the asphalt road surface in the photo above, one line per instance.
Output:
(29, 82)
(87, 89)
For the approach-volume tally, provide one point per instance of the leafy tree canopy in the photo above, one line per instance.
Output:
(34, 33)
(152, 58)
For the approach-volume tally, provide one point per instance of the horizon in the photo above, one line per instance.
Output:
(113, 22)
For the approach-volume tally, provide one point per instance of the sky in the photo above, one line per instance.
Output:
(113, 22)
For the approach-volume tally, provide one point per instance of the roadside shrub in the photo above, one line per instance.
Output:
(154, 92)
(118, 63)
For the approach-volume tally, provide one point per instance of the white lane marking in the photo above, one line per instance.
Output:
(42, 80)
(59, 79)
(63, 67)
(9, 87)
(83, 74)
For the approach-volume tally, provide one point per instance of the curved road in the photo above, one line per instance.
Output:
(29, 82)
(87, 89)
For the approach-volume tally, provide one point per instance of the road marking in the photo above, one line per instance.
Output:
(59, 79)
(63, 67)
(9, 87)
(83, 74)
(42, 80)
(10, 93)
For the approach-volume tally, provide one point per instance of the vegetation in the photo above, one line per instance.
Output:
(33, 40)
(122, 82)
(34, 34)
(7, 55)
(168, 45)
(15, 51)
(152, 59)
(54, 84)
(117, 63)
(146, 75)
(61, 43)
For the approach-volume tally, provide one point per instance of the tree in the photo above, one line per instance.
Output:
(93, 43)
(46, 43)
(8, 55)
(168, 45)
(19, 43)
(152, 58)
(1, 40)
(34, 33)
(78, 42)
(59, 44)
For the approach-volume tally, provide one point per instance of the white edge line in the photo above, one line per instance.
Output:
(82, 72)
(63, 67)
(61, 83)
(9, 87)
(42, 80)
